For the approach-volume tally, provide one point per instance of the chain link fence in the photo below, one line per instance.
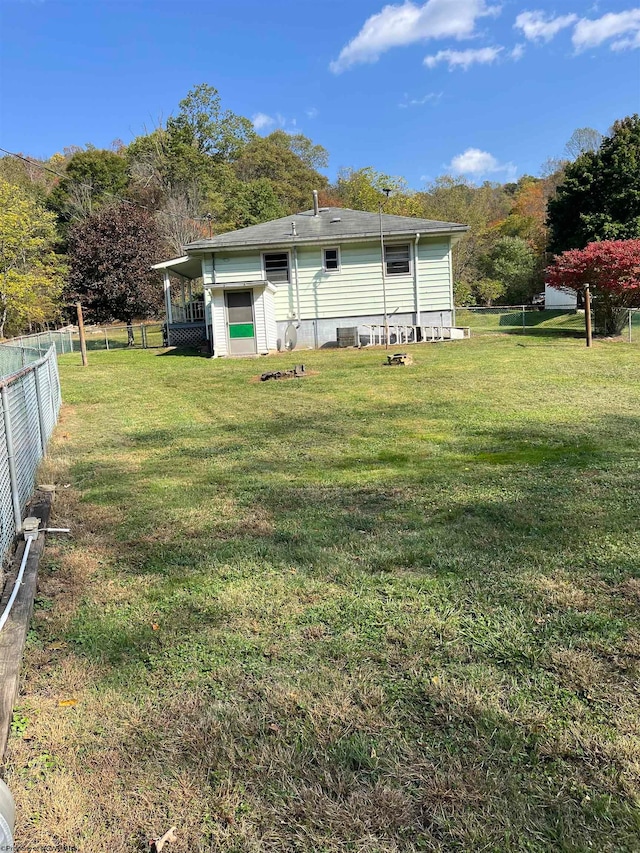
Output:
(122, 336)
(136, 336)
(30, 400)
(530, 320)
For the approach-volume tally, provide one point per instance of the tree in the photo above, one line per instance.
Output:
(364, 189)
(273, 158)
(203, 126)
(582, 140)
(92, 178)
(612, 270)
(110, 258)
(599, 198)
(454, 199)
(512, 261)
(31, 274)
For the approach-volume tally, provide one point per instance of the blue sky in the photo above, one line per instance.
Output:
(487, 88)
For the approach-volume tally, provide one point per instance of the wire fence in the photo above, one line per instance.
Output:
(529, 320)
(133, 336)
(122, 336)
(30, 400)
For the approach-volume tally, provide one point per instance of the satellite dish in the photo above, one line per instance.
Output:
(290, 337)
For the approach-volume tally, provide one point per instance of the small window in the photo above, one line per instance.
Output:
(397, 259)
(276, 267)
(331, 260)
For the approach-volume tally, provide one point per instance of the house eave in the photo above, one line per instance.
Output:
(205, 246)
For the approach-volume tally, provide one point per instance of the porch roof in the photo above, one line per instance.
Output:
(185, 267)
(235, 285)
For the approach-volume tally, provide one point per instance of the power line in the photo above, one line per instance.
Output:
(120, 198)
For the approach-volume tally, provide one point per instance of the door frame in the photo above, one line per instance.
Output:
(253, 315)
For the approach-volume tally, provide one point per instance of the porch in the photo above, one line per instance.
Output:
(184, 302)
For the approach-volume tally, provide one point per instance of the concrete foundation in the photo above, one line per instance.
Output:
(320, 334)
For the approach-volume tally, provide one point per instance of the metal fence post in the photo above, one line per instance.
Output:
(70, 340)
(143, 331)
(523, 322)
(15, 497)
(106, 338)
(630, 316)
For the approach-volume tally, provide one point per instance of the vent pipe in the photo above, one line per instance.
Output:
(316, 208)
(294, 233)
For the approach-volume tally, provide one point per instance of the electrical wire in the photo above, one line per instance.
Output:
(120, 198)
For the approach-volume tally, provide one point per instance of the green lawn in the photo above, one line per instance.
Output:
(376, 609)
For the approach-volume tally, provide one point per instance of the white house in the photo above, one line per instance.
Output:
(299, 279)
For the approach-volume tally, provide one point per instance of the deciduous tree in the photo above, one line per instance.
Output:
(612, 270)
(600, 196)
(110, 258)
(31, 275)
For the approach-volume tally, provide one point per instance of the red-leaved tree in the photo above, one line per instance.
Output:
(612, 270)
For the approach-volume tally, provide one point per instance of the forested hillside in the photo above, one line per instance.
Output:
(205, 170)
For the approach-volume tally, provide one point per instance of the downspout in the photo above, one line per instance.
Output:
(451, 294)
(295, 271)
(416, 279)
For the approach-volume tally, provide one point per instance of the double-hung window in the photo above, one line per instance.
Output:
(276, 267)
(331, 258)
(397, 259)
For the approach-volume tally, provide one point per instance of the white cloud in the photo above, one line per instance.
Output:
(312, 112)
(431, 98)
(463, 58)
(536, 26)
(261, 121)
(591, 33)
(477, 163)
(398, 25)
(517, 52)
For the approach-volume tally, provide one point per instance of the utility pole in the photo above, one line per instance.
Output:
(384, 280)
(587, 314)
(83, 343)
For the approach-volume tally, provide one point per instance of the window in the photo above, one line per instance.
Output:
(276, 267)
(397, 260)
(331, 260)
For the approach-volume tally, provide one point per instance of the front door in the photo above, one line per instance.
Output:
(242, 329)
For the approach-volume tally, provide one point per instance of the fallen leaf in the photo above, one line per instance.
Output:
(67, 703)
(155, 626)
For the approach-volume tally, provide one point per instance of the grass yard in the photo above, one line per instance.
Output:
(373, 610)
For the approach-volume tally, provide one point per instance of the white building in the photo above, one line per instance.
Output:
(302, 277)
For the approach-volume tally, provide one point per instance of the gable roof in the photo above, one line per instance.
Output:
(331, 223)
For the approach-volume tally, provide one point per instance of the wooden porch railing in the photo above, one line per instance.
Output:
(191, 312)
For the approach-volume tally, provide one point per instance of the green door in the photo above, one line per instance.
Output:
(242, 330)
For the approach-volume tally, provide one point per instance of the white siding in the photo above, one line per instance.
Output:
(259, 316)
(239, 266)
(270, 314)
(434, 276)
(555, 298)
(207, 269)
(218, 308)
(356, 289)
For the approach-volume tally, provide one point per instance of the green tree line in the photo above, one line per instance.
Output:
(205, 171)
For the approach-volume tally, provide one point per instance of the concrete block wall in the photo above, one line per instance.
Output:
(321, 333)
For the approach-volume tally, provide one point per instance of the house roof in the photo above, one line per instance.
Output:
(332, 223)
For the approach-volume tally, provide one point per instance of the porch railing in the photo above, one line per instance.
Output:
(405, 334)
(190, 312)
